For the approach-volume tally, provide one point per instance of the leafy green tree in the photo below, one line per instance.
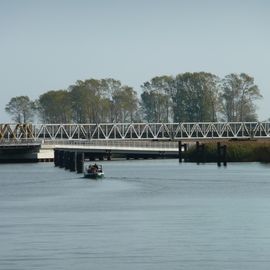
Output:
(21, 109)
(148, 106)
(55, 107)
(92, 100)
(238, 96)
(212, 96)
(107, 105)
(156, 99)
(195, 97)
(125, 104)
(86, 96)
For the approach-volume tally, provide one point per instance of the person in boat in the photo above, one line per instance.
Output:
(93, 168)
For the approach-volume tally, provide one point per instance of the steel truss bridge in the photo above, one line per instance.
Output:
(133, 131)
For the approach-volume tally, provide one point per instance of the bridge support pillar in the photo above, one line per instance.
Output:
(61, 159)
(221, 154)
(72, 161)
(79, 162)
(200, 152)
(56, 158)
(66, 160)
(181, 148)
(108, 154)
(92, 157)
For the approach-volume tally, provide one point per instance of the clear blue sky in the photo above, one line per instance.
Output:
(49, 44)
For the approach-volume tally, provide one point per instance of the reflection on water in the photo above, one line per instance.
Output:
(143, 215)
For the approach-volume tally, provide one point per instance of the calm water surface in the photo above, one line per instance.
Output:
(143, 215)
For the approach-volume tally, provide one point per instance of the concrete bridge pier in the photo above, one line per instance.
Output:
(61, 159)
(66, 160)
(79, 162)
(92, 157)
(200, 152)
(72, 161)
(108, 154)
(56, 157)
(69, 160)
(101, 158)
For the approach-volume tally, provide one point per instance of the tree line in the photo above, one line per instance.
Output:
(186, 97)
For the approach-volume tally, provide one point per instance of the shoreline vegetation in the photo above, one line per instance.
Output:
(237, 151)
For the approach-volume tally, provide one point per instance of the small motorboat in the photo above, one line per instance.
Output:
(93, 171)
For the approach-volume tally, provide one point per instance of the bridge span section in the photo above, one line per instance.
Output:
(136, 131)
(93, 149)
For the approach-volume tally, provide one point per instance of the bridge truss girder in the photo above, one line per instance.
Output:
(134, 131)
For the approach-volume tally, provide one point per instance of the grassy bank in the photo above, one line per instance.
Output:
(237, 151)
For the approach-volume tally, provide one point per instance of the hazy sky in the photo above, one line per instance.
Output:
(49, 44)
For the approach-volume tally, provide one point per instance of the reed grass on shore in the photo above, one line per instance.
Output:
(237, 151)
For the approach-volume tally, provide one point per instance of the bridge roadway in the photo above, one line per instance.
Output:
(101, 149)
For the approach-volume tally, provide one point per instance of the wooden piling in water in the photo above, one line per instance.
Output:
(66, 160)
(61, 159)
(109, 155)
(72, 162)
(200, 152)
(221, 154)
(80, 162)
(56, 157)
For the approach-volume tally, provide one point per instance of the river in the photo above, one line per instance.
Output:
(145, 214)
